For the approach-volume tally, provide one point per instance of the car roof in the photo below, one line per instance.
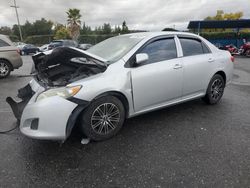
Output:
(148, 35)
(155, 34)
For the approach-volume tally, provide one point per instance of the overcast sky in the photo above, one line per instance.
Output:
(150, 15)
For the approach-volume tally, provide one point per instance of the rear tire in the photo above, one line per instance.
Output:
(103, 118)
(215, 90)
(248, 53)
(5, 68)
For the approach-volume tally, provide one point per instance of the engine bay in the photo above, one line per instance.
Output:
(65, 65)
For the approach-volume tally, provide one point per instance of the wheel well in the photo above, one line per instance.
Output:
(223, 75)
(11, 66)
(120, 96)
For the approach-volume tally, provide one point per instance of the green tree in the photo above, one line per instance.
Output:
(124, 27)
(42, 27)
(15, 30)
(106, 28)
(233, 16)
(220, 15)
(28, 29)
(56, 27)
(5, 30)
(169, 29)
(86, 30)
(62, 33)
(98, 30)
(117, 30)
(74, 22)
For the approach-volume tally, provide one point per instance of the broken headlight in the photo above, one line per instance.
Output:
(64, 92)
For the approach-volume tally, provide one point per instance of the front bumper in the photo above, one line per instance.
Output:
(48, 119)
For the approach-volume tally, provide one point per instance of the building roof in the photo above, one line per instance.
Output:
(205, 24)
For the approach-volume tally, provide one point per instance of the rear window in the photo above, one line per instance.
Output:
(56, 44)
(3, 43)
(192, 46)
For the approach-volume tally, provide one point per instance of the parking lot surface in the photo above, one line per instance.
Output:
(189, 145)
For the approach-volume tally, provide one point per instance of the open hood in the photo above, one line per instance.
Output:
(65, 65)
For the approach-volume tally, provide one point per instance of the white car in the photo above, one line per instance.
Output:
(44, 48)
(119, 78)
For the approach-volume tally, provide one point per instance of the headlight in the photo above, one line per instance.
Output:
(64, 92)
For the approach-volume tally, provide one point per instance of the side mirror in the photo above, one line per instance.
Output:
(141, 58)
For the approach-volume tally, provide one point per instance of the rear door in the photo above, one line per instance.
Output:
(159, 80)
(197, 66)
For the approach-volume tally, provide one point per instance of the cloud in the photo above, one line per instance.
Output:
(139, 14)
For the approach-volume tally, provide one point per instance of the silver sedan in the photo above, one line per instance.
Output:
(119, 78)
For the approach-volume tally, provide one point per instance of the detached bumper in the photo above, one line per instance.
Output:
(48, 119)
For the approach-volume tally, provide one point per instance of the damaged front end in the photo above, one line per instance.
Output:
(24, 94)
(49, 117)
(66, 65)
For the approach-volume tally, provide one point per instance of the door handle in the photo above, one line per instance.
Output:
(211, 60)
(177, 66)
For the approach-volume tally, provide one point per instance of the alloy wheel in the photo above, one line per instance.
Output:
(105, 118)
(4, 69)
(217, 89)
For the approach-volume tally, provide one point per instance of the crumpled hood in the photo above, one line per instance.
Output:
(64, 65)
(65, 54)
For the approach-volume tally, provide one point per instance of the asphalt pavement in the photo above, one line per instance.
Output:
(188, 145)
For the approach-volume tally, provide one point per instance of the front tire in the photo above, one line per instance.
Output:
(215, 90)
(5, 68)
(103, 118)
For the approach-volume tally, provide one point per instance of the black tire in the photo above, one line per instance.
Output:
(98, 125)
(5, 68)
(215, 90)
(248, 53)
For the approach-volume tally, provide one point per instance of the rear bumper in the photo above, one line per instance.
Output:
(16, 61)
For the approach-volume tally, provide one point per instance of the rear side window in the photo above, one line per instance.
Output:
(206, 50)
(193, 47)
(160, 50)
(3, 43)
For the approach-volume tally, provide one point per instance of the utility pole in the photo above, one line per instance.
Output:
(19, 27)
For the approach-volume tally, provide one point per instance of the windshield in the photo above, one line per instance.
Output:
(115, 48)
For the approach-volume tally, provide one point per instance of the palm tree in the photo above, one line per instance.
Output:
(74, 22)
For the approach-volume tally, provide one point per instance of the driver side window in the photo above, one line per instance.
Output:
(160, 50)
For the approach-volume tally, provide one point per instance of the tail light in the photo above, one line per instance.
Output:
(18, 50)
(232, 58)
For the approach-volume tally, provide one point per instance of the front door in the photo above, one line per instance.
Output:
(159, 80)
